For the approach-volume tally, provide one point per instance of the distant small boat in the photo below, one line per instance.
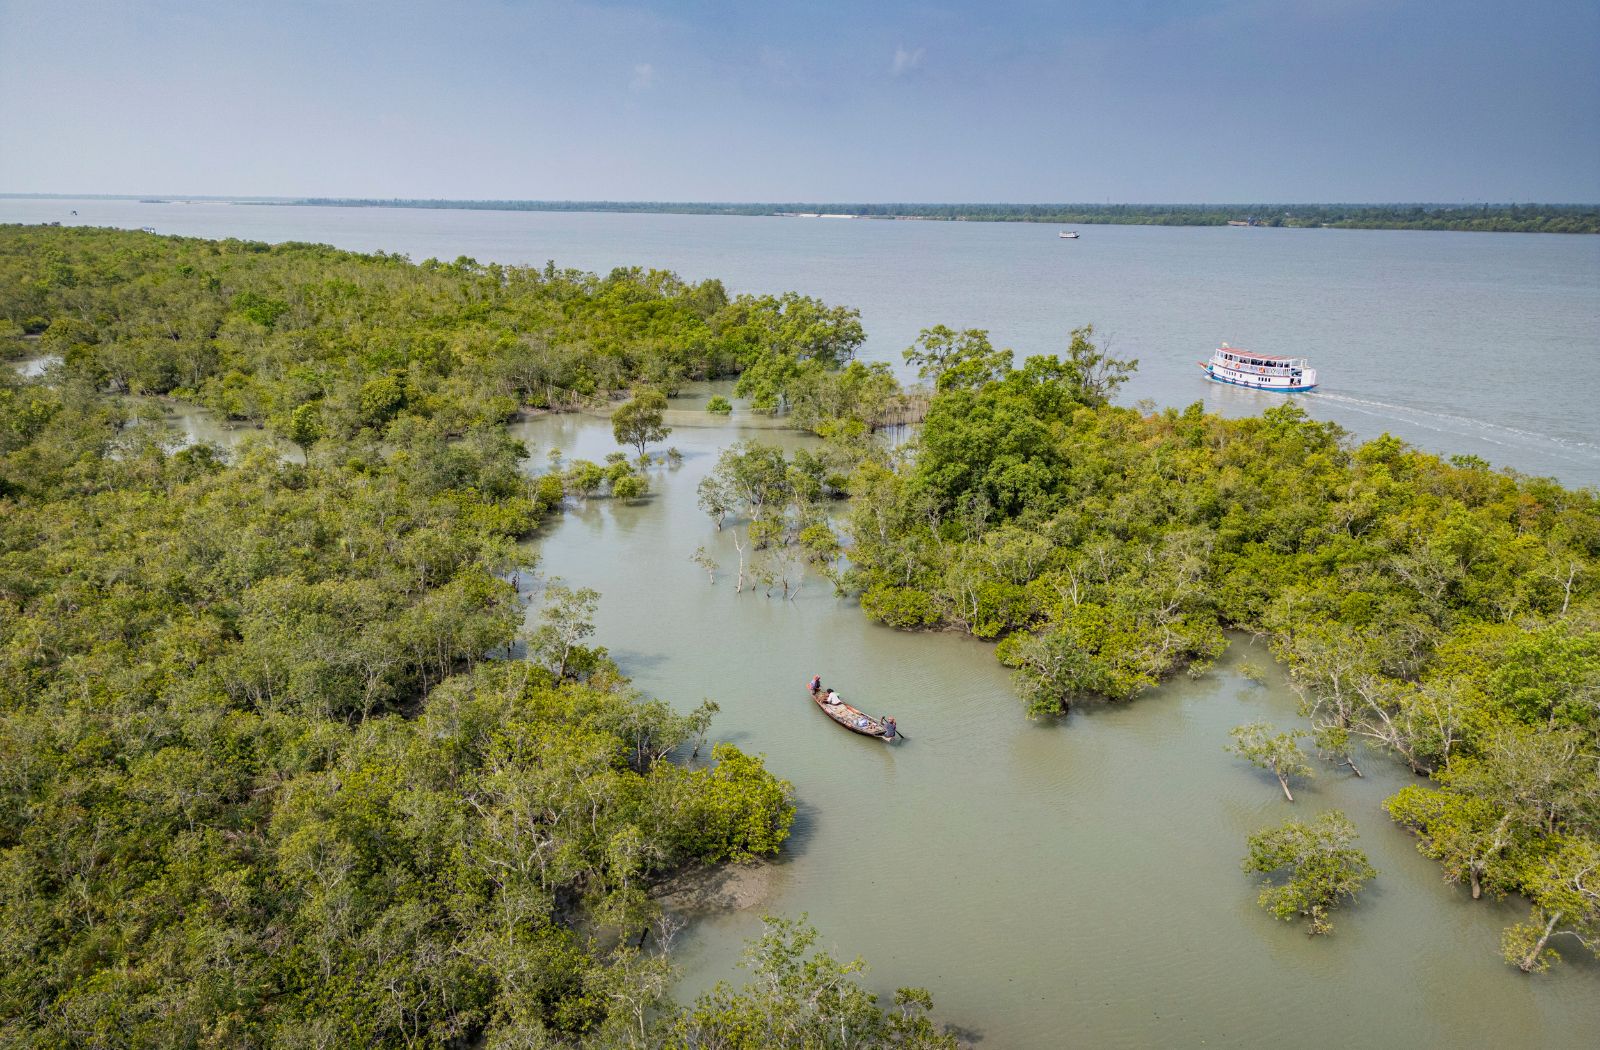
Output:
(1236, 367)
(1241, 222)
(147, 229)
(852, 719)
(1068, 235)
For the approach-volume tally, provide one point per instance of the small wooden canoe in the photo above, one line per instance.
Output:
(852, 719)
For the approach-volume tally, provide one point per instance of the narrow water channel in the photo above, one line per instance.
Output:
(1072, 884)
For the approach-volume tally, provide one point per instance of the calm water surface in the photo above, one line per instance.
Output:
(1053, 885)
(1472, 343)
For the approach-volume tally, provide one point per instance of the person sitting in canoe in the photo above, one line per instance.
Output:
(833, 698)
(889, 730)
(816, 684)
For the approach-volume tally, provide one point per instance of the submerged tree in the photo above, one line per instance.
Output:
(1316, 864)
(1052, 668)
(702, 558)
(1334, 744)
(1280, 753)
(800, 997)
(1470, 836)
(305, 426)
(640, 421)
(629, 486)
(754, 482)
(1566, 902)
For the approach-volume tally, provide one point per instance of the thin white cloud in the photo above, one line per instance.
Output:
(905, 61)
(644, 77)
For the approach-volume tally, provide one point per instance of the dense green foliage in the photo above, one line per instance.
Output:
(319, 343)
(260, 784)
(1526, 218)
(1441, 610)
(1310, 868)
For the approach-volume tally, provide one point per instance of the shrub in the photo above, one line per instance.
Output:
(902, 607)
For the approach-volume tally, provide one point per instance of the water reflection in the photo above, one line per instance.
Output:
(190, 424)
(194, 425)
(34, 367)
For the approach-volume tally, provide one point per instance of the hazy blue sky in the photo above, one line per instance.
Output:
(1121, 100)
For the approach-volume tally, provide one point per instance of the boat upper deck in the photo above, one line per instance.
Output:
(1250, 357)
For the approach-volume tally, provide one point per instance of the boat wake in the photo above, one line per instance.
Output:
(1568, 449)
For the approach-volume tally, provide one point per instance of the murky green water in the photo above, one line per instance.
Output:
(1053, 885)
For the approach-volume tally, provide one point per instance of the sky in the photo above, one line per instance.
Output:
(1124, 101)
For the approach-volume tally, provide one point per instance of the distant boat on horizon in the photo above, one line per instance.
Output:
(1068, 235)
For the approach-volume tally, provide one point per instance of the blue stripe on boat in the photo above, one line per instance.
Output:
(1251, 386)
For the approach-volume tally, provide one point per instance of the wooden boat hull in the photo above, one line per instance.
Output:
(851, 718)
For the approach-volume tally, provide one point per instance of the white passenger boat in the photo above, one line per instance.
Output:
(1236, 367)
(1068, 235)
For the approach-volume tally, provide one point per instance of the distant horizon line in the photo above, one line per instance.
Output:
(332, 201)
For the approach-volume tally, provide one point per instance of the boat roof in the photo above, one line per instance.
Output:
(1239, 351)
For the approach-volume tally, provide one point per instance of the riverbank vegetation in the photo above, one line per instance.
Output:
(261, 784)
(1516, 218)
(1443, 611)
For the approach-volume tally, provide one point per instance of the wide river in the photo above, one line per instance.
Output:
(1075, 883)
(1481, 343)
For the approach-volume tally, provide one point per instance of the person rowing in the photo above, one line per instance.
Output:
(816, 684)
(890, 731)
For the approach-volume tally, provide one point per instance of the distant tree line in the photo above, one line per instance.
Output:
(1484, 217)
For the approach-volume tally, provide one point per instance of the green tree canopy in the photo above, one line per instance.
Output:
(639, 422)
(1311, 868)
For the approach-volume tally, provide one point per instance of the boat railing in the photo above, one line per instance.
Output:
(1287, 365)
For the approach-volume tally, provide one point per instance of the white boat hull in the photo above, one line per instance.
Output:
(1239, 378)
(1236, 366)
